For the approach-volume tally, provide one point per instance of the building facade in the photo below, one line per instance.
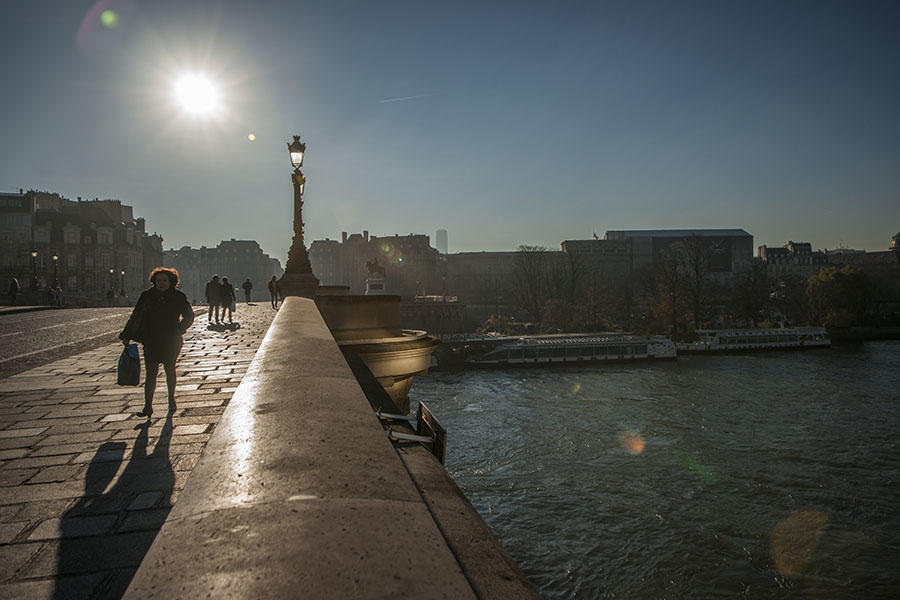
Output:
(728, 251)
(96, 250)
(408, 264)
(792, 259)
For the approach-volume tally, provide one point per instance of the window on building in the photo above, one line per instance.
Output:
(72, 260)
(71, 237)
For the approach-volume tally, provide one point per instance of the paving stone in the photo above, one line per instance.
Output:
(67, 527)
(57, 473)
(74, 588)
(191, 429)
(14, 556)
(10, 530)
(14, 433)
(145, 500)
(41, 461)
(10, 477)
(14, 453)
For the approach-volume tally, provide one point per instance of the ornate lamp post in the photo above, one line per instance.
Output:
(55, 269)
(112, 282)
(34, 279)
(122, 272)
(298, 278)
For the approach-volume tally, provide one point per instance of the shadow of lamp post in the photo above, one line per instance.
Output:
(298, 278)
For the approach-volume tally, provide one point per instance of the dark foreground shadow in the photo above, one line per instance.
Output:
(106, 534)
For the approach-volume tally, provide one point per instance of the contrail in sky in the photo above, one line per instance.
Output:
(404, 98)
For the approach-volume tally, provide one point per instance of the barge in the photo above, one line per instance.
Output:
(739, 340)
(563, 348)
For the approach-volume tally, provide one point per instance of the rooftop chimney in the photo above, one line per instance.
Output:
(365, 235)
(343, 237)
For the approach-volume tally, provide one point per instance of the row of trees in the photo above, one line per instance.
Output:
(678, 294)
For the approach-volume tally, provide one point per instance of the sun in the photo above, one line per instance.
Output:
(197, 94)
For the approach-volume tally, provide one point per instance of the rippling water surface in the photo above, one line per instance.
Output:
(773, 475)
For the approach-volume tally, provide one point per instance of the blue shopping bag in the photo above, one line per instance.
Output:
(129, 366)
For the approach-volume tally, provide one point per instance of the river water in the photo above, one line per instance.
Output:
(769, 475)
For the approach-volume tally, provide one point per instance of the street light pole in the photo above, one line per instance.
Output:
(298, 278)
(34, 279)
(55, 269)
(112, 282)
(123, 282)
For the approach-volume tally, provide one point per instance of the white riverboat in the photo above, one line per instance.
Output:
(729, 340)
(545, 349)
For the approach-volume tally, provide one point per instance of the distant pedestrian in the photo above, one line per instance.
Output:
(213, 297)
(57, 293)
(247, 287)
(14, 290)
(273, 291)
(159, 319)
(227, 300)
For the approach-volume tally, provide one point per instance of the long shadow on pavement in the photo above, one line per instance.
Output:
(105, 536)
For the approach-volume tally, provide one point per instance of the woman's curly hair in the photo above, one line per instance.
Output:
(170, 271)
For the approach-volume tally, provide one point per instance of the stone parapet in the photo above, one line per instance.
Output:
(300, 493)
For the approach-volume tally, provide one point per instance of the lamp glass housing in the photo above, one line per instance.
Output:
(297, 149)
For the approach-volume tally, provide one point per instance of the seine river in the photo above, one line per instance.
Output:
(771, 475)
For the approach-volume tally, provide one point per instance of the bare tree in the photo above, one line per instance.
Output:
(695, 258)
(528, 284)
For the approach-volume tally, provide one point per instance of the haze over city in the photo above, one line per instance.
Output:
(505, 123)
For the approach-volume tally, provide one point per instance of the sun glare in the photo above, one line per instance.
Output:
(197, 94)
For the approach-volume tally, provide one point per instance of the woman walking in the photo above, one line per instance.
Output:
(160, 317)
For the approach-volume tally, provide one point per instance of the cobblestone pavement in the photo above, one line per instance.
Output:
(84, 484)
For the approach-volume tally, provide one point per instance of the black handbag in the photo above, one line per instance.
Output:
(129, 372)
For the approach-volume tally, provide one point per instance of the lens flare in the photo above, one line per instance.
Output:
(631, 441)
(794, 540)
(109, 19)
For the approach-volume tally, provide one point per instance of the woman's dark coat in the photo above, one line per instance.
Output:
(158, 321)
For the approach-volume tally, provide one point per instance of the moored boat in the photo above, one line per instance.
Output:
(549, 349)
(729, 340)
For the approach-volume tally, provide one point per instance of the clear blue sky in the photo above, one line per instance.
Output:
(505, 123)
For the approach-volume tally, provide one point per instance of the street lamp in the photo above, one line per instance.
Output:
(55, 269)
(298, 278)
(34, 281)
(112, 283)
(122, 272)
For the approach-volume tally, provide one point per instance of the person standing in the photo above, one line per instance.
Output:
(57, 293)
(14, 290)
(227, 298)
(247, 287)
(273, 291)
(213, 297)
(159, 319)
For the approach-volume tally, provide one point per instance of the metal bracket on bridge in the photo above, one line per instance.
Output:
(428, 431)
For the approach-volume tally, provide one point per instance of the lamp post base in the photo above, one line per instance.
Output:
(298, 284)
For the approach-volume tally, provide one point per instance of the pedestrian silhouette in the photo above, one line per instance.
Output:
(14, 290)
